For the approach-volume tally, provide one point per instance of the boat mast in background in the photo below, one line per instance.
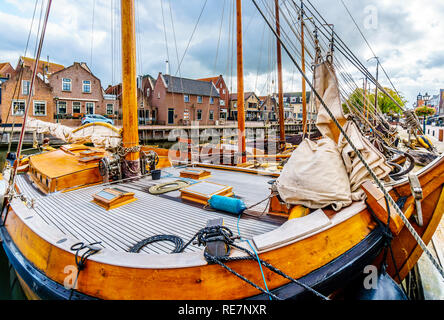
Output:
(240, 85)
(304, 90)
(280, 86)
(130, 135)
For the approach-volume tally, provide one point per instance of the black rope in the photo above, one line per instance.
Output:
(222, 233)
(81, 261)
(178, 242)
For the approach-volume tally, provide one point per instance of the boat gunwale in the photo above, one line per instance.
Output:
(53, 236)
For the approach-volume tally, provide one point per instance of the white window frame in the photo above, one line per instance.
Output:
(66, 81)
(211, 100)
(28, 87)
(186, 98)
(34, 109)
(80, 107)
(112, 111)
(58, 107)
(199, 99)
(12, 107)
(211, 115)
(86, 84)
(199, 116)
(86, 107)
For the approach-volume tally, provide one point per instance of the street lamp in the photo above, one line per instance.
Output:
(426, 101)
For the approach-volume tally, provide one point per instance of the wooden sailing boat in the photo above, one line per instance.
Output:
(63, 245)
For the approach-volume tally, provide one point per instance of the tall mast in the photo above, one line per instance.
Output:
(304, 90)
(130, 137)
(240, 85)
(280, 86)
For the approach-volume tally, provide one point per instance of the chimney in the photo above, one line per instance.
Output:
(167, 67)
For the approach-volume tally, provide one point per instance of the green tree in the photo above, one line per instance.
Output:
(385, 104)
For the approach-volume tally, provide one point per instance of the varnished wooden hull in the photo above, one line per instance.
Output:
(319, 259)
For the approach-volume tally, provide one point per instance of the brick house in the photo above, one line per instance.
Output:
(6, 70)
(224, 94)
(178, 101)
(77, 91)
(145, 89)
(252, 107)
(15, 94)
(269, 107)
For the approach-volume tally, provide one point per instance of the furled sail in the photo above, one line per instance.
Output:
(328, 172)
(326, 84)
(100, 134)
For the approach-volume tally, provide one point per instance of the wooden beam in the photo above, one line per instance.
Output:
(240, 85)
(279, 70)
(129, 86)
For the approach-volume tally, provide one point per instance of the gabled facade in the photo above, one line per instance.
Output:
(269, 107)
(224, 94)
(179, 101)
(6, 70)
(252, 107)
(15, 94)
(441, 102)
(78, 92)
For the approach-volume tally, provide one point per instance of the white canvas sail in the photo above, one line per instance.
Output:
(100, 134)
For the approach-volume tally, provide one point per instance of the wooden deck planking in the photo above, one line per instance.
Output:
(73, 212)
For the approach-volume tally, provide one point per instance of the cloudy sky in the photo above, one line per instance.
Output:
(406, 35)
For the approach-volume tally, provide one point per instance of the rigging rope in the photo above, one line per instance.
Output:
(359, 155)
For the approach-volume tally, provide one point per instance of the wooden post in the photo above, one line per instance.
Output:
(304, 90)
(130, 138)
(280, 86)
(240, 85)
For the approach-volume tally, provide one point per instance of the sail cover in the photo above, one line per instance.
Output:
(358, 174)
(328, 172)
(100, 134)
(315, 176)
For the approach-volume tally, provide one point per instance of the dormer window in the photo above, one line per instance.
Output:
(66, 84)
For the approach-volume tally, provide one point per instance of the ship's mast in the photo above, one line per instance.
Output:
(304, 90)
(130, 136)
(280, 85)
(240, 85)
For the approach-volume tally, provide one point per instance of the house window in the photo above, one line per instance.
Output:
(86, 86)
(211, 100)
(293, 99)
(26, 84)
(66, 84)
(61, 107)
(223, 91)
(153, 115)
(18, 107)
(211, 115)
(76, 107)
(199, 99)
(199, 114)
(186, 98)
(89, 107)
(158, 95)
(109, 109)
(148, 91)
(40, 108)
(222, 103)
